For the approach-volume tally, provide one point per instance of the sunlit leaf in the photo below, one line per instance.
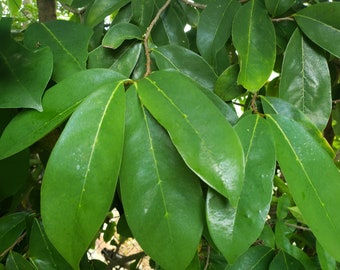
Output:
(300, 159)
(68, 42)
(235, 229)
(254, 39)
(320, 23)
(210, 148)
(59, 102)
(214, 27)
(83, 167)
(22, 77)
(162, 198)
(305, 80)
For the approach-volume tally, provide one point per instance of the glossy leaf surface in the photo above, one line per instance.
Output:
(59, 102)
(256, 258)
(142, 11)
(305, 80)
(118, 33)
(278, 7)
(17, 262)
(254, 39)
(162, 198)
(171, 57)
(235, 229)
(214, 27)
(83, 165)
(285, 261)
(300, 159)
(320, 23)
(61, 37)
(102, 8)
(22, 78)
(42, 253)
(210, 148)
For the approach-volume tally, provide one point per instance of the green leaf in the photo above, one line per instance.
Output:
(169, 30)
(254, 39)
(300, 159)
(59, 102)
(320, 23)
(327, 262)
(278, 7)
(118, 33)
(14, 6)
(267, 236)
(142, 12)
(255, 258)
(22, 77)
(210, 148)
(283, 260)
(305, 80)
(172, 57)
(84, 166)
(11, 227)
(214, 27)
(68, 42)
(42, 253)
(162, 198)
(274, 105)
(17, 262)
(235, 229)
(102, 8)
(226, 86)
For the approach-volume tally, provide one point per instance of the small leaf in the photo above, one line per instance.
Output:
(11, 227)
(102, 8)
(214, 27)
(118, 33)
(17, 262)
(42, 253)
(22, 77)
(274, 105)
(171, 57)
(320, 23)
(327, 262)
(283, 260)
(61, 37)
(255, 258)
(210, 148)
(278, 7)
(300, 159)
(305, 80)
(59, 102)
(226, 86)
(82, 167)
(235, 229)
(254, 39)
(162, 198)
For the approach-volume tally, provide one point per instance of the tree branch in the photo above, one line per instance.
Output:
(14, 244)
(147, 36)
(195, 5)
(282, 19)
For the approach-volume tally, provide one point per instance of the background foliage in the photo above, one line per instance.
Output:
(212, 127)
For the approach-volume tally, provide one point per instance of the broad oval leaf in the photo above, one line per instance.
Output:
(15, 261)
(161, 196)
(22, 77)
(142, 12)
(83, 167)
(283, 260)
(300, 159)
(102, 8)
(202, 135)
(320, 23)
(68, 42)
(235, 229)
(305, 80)
(272, 105)
(41, 251)
(172, 57)
(254, 39)
(256, 258)
(278, 7)
(11, 227)
(120, 32)
(59, 102)
(214, 27)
